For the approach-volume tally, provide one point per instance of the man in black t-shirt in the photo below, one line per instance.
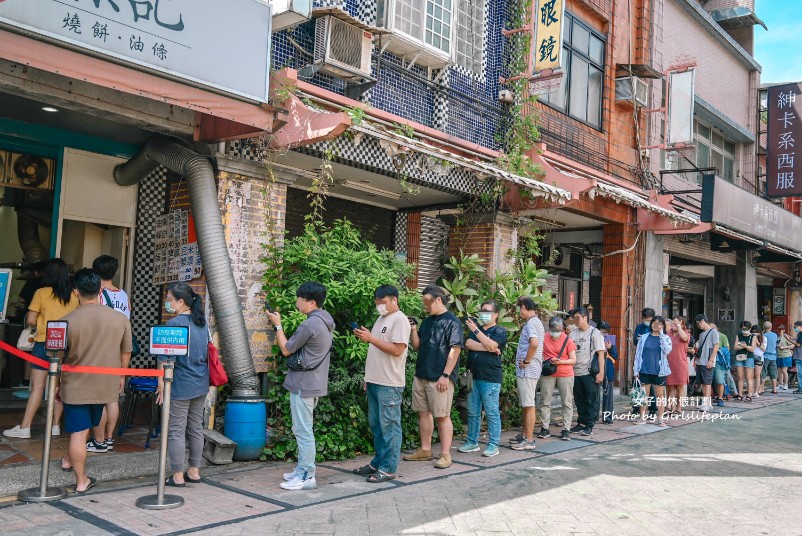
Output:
(485, 346)
(439, 343)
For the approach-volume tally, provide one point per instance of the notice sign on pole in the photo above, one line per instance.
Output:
(783, 169)
(5, 290)
(169, 340)
(548, 44)
(56, 336)
(218, 44)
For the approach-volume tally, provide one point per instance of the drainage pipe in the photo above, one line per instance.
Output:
(212, 245)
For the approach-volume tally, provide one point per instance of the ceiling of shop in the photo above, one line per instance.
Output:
(30, 111)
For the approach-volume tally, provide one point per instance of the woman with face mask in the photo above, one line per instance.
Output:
(745, 344)
(760, 349)
(651, 365)
(785, 348)
(560, 350)
(190, 385)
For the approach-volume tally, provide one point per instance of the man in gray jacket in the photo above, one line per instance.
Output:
(314, 335)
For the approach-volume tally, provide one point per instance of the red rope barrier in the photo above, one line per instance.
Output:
(81, 369)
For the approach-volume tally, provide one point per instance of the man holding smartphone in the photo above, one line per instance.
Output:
(385, 378)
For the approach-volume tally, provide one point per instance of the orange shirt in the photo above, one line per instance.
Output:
(551, 348)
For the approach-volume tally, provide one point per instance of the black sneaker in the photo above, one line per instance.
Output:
(110, 444)
(577, 428)
(565, 435)
(544, 433)
(587, 430)
(94, 446)
(517, 439)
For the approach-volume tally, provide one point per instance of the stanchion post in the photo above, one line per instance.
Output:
(44, 493)
(160, 501)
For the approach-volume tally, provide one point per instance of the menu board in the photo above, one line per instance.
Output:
(177, 254)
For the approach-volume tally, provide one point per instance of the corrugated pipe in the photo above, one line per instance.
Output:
(212, 245)
(28, 236)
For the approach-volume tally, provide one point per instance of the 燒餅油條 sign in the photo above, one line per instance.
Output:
(210, 43)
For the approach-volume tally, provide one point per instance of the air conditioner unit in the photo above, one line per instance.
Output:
(26, 171)
(556, 258)
(342, 49)
(627, 85)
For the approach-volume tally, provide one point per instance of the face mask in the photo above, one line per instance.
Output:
(646, 323)
(797, 329)
(485, 318)
(745, 332)
(169, 308)
(381, 309)
(555, 334)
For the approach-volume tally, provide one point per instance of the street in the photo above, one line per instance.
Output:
(740, 476)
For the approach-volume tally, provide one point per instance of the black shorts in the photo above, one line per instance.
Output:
(704, 375)
(652, 379)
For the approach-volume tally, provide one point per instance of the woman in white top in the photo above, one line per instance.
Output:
(760, 350)
(117, 298)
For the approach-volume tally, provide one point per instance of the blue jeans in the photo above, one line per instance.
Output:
(302, 410)
(484, 394)
(384, 419)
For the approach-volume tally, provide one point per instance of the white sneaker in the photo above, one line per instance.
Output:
(755, 395)
(296, 484)
(55, 431)
(17, 432)
(291, 475)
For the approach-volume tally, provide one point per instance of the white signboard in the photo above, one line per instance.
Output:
(680, 108)
(219, 44)
(176, 258)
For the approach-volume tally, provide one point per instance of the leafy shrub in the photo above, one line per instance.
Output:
(351, 268)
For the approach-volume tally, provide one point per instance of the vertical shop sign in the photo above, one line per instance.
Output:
(548, 35)
(783, 168)
(177, 254)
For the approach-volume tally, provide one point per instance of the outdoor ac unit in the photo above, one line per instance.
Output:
(342, 49)
(625, 86)
(556, 258)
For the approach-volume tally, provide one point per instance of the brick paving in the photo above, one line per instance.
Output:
(624, 479)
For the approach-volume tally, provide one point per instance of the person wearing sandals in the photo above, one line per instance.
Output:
(745, 343)
(385, 378)
(677, 381)
(770, 355)
(190, 385)
(651, 365)
(785, 348)
(760, 349)
(97, 336)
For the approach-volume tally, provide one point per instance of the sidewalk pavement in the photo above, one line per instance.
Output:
(624, 479)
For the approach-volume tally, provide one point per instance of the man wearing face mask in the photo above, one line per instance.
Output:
(385, 378)
(485, 345)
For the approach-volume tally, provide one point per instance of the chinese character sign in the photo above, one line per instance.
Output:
(548, 43)
(177, 254)
(783, 169)
(169, 340)
(223, 45)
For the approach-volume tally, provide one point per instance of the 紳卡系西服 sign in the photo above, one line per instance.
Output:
(169, 340)
(783, 169)
(222, 45)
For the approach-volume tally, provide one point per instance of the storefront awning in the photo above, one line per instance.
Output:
(482, 170)
(622, 195)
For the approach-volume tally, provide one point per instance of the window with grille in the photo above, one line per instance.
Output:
(580, 95)
(470, 50)
(428, 21)
(712, 151)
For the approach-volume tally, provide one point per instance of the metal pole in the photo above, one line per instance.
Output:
(160, 501)
(43, 493)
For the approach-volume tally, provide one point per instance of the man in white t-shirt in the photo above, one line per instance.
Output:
(117, 299)
(589, 345)
(385, 377)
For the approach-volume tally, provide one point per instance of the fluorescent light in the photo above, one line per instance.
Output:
(368, 189)
(49, 109)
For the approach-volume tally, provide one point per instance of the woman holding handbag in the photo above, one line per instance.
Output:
(560, 351)
(190, 385)
(651, 365)
(745, 344)
(51, 302)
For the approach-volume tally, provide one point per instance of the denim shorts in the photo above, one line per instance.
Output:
(40, 352)
(719, 375)
(783, 362)
(80, 417)
(749, 362)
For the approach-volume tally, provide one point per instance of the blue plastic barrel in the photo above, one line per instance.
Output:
(246, 420)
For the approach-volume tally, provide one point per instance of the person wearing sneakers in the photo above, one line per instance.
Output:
(529, 361)
(96, 337)
(439, 342)
(385, 378)
(651, 365)
(706, 351)
(51, 302)
(561, 351)
(117, 299)
(797, 358)
(785, 348)
(589, 348)
(770, 355)
(745, 343)
(485, 345)
(314, 335)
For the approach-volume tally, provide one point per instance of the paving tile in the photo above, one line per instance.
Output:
(505, 455)
(551, 447)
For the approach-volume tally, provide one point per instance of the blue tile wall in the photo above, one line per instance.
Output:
(470, 102)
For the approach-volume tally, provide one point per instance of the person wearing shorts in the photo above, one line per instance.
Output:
(785, 348)
(529, 363)
(439, 343)
(97, 336)
(745, 343)
(706, 351)
(651, 365)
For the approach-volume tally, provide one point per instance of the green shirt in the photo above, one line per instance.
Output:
(723, 341)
